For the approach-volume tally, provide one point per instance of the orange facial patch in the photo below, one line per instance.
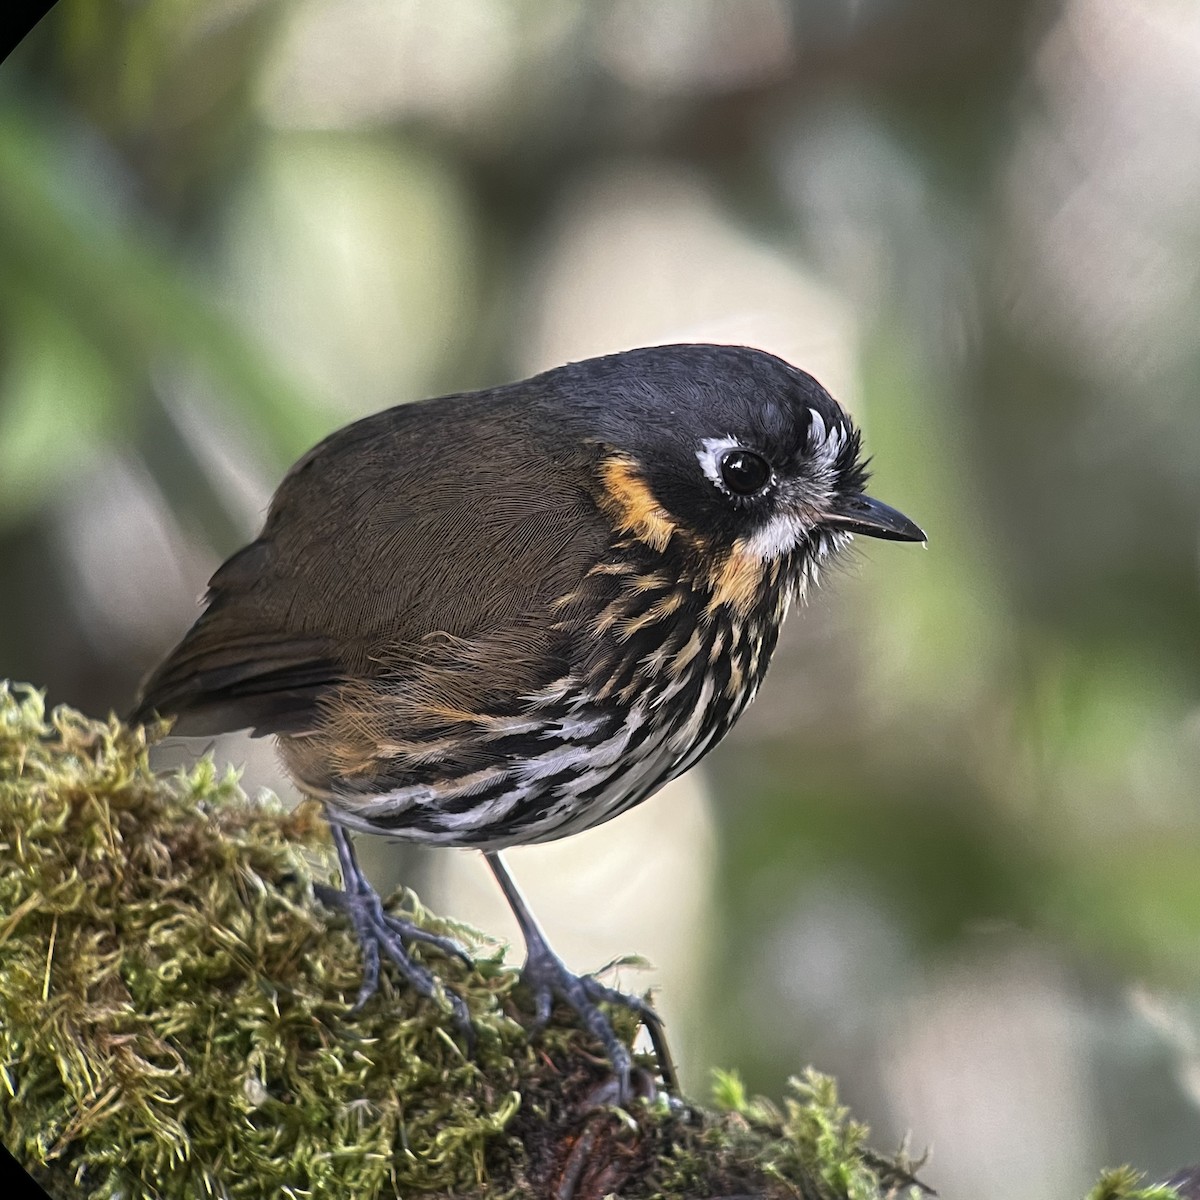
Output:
(634, 507)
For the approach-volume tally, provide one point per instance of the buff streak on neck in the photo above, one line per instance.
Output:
(739, 580)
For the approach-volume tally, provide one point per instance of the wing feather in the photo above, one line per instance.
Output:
(462, 519)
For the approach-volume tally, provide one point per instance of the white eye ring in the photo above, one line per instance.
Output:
(710, 456)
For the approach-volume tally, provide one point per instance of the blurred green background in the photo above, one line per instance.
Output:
(951, 854)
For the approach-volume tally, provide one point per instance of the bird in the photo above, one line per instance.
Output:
(500, 617)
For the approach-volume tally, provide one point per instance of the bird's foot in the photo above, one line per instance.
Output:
(379, 932)
(548, 977)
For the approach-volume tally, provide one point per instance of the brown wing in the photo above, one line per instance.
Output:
(452, 522)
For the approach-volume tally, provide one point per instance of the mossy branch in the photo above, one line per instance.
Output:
(174, 1022)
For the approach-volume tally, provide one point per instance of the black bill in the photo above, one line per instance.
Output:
(861, 514)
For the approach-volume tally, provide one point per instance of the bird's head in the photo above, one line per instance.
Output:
(731, 449)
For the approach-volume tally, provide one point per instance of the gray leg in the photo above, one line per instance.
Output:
(548, 977)
(379, 930)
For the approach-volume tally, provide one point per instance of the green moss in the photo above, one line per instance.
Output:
(175, 1021)
(174, 1005)
(811, 1138)
(1125, 1184)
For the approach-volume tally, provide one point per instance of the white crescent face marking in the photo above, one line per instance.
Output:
(785, 529)
(824, 444)
(709, 456)
(817, 432)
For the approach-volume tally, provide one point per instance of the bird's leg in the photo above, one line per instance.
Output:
(379, 930)
(548, 977)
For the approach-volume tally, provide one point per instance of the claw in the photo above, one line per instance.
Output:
(649, 1018)
(414, 933)
(370, 976)
(378, 931)
(544, 999)
(547, 977)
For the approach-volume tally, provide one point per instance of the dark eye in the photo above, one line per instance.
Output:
(745, 472)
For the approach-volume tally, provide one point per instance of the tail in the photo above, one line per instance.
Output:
(237, 669)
